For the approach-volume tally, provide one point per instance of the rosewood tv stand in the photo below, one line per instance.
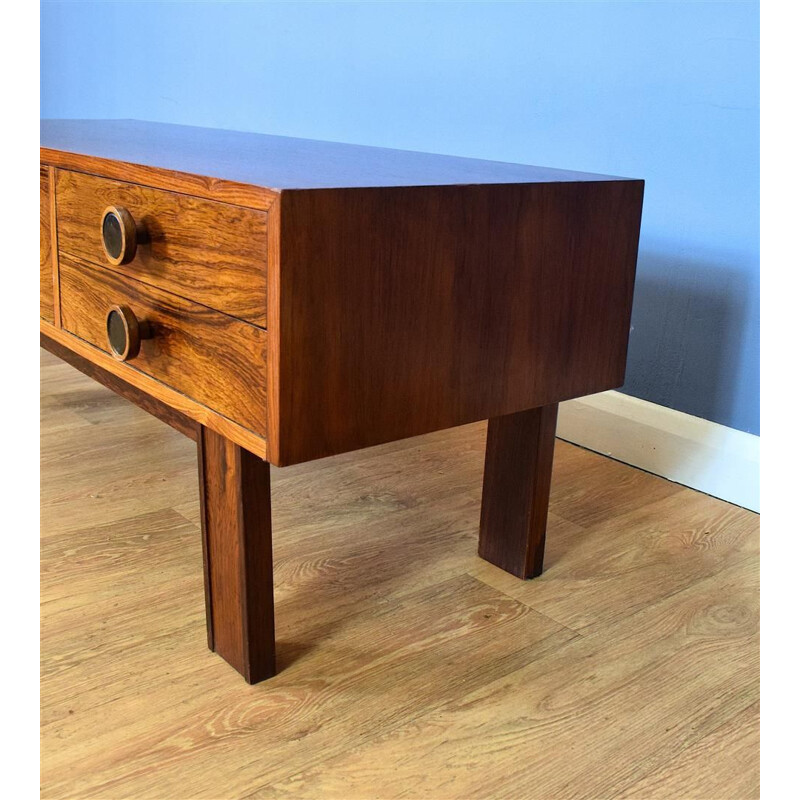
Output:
(280, 300)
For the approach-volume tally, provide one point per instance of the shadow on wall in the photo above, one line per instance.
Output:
(689, 330)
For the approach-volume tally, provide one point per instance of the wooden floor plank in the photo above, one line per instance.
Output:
(374, 672)
(584, 721)
(625, 564)
(731, 748)
(409, 667)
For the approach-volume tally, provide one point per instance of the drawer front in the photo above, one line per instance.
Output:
(212, 253)
(210, 357)
(46, 293)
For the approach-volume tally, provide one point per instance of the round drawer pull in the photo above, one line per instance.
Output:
(125, 332)
(118, 234)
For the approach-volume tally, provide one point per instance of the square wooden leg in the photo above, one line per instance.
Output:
(237, 554)
(516, 490)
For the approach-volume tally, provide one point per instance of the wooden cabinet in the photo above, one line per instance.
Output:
(303, 299)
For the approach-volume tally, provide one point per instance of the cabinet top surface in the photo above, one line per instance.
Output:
(282, 162)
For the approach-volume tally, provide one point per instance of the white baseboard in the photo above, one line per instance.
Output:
(703, 455)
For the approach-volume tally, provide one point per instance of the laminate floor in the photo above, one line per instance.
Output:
(408, 666)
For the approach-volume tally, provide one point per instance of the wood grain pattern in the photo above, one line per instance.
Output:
(516, 490)
(237, 548)
(46, 294)
(211, 357)
(54, 246)
(408, 310)
(212, 253)
(397, 645)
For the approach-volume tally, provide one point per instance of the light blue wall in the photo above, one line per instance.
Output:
(667, 92)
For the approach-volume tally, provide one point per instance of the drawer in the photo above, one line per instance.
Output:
(210, 252)
(46, 292)
(208, 356)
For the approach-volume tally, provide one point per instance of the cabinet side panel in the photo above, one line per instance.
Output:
(407, 310)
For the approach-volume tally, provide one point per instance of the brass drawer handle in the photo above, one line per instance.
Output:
(119, 235)
(125, 332)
